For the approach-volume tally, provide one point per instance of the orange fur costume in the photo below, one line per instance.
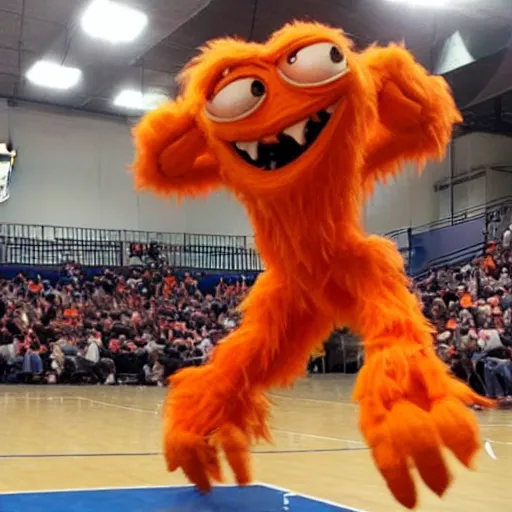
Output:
(299, 129)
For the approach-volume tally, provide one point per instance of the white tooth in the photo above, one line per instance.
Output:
(332, 108)
(273, 164)
(297, 131)
(251, 148)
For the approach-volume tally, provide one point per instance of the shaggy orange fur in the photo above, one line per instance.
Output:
(322, 268)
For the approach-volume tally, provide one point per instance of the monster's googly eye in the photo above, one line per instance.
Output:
(313, 65)
(237, 100)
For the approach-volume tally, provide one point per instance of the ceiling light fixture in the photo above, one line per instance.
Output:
(113, 21)
(423, 3)
(49, 74)
(136, 100)
(130, 99)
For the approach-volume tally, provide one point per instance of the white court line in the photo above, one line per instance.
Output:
(313, 436)
(56, 398)
(272, 395)
(136, 487)
(499, 442)
(147, 411)
(83, 398)
(302, 434)
(489, 450)
(312, 400)
(312, 498)
(116, 406)
(37, 398)
(254, 484)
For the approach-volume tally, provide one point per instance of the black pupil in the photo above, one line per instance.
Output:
(336, 55)
(292, 58)
(257, 88)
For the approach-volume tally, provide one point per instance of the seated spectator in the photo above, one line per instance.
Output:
(57, 361)
(154, 370)
(32, 363)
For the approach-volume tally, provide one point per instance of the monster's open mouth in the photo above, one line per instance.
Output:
(287, 145)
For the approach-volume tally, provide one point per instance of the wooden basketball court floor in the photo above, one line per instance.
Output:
(59, 437)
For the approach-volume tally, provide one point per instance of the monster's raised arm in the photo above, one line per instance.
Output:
(416, 114)
(171, 153)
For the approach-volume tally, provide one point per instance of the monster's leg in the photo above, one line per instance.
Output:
(222, 404)
(410, 405)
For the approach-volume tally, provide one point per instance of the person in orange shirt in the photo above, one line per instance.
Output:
(489, 263)
(451, 325)
(35, 287)
(466, 301)
(169, 284)
(71, 315)
(121, 286)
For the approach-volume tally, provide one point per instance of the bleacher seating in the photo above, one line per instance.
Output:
(85, 306)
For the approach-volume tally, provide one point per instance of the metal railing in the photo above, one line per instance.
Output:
(22, 244)
(459, 257)
(497, 215)
(401, 235)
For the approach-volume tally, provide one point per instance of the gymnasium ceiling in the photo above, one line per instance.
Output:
(33, 29)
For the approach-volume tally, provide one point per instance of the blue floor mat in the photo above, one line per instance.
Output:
(254, 498)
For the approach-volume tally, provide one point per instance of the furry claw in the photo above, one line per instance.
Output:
(198, 457)
(195, 456)
(235, 444)
(204, 416)
(416, 410)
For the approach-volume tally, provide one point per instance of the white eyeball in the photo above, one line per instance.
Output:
(237, 100)
(313, 65)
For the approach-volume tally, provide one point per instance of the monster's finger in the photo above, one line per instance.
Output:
(413, 428)
(393, 467)
(211, 460)
(387, 454)
(196, 470)
(236, 447)
(458, 429)
(188, 451)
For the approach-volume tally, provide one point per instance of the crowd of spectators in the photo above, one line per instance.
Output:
(142, 323)
(471, 310)
(133, 325)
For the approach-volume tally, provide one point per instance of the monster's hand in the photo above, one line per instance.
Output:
(172, 156)
(203, 415)
(410, 409)
(416, 113)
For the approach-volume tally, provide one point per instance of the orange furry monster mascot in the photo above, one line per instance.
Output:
(299, 129)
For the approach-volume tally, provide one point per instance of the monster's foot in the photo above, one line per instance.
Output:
(410, 408)
(205, 415)
(198, 456)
